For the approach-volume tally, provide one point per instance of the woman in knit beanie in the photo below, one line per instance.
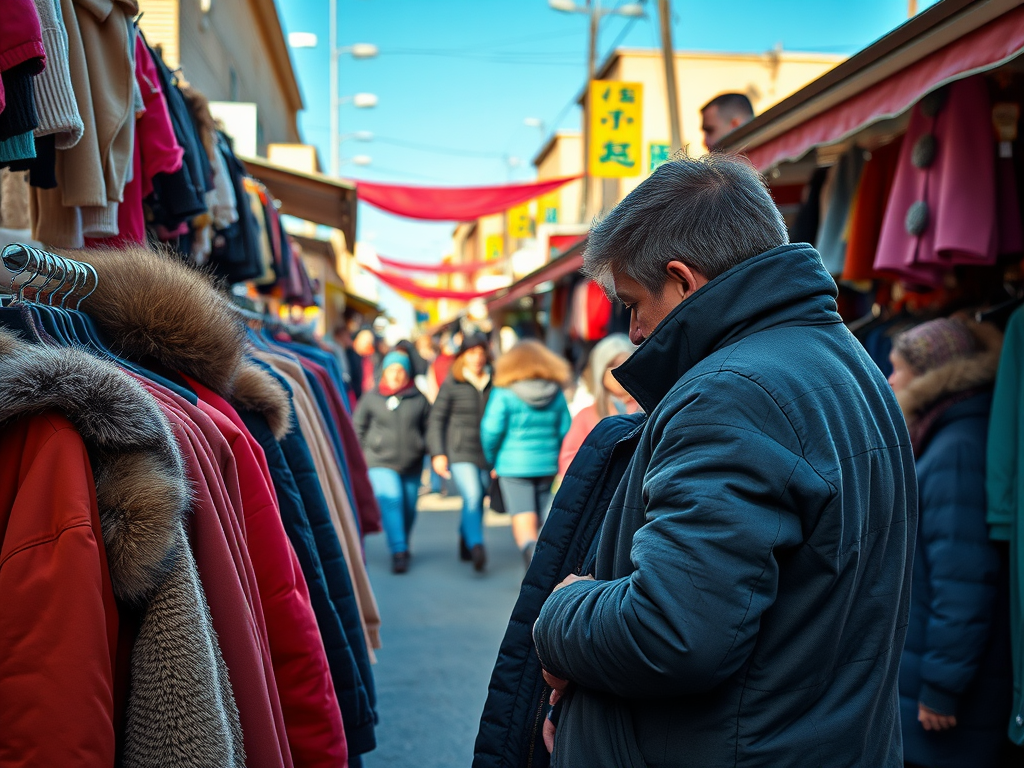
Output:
(955, 673)
(391, 422)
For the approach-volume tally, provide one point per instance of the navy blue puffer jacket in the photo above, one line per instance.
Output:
(957, 655)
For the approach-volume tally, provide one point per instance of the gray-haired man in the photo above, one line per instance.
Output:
(747, 598)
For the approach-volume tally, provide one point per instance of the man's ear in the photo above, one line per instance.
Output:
(683, 281)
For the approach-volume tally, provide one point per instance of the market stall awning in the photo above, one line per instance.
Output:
(949, 41)
(453, 203)
(418, 290)
(309, 196)
(467, 268)
(565, 264)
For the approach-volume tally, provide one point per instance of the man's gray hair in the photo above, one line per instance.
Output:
(710, 213)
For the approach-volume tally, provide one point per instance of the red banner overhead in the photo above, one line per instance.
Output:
(406, 285)
(453, 203)
(440, 269)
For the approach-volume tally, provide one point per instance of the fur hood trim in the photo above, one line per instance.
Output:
(530, 360)
(256, 390)
(154, 306)
(141, 487)
(960, 375)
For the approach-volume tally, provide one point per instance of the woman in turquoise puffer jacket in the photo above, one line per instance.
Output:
(522, 431)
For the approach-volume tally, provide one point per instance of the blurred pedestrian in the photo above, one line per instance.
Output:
(610, 399)
(453, 436)
(723, 115)
(391, 422)
(955, 673)
(367, 346)
(353, 362)
(522, 430)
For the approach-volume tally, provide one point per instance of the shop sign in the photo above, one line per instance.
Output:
(520, 222)
(616, 128)
(494, 246)
(660, 153)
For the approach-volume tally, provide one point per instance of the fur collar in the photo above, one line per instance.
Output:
(141, 487)
(530, 360)
(153, 305)
(960, 375)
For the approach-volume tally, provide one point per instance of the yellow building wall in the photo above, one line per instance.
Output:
(224, 54)
(565, 158)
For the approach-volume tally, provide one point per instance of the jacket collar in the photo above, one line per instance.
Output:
(782, 287)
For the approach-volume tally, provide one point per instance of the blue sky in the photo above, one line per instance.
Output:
(457, 78)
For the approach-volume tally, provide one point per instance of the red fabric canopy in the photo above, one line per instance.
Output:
(453, 203)
(440, 269)
(984, 48)
(400, 283)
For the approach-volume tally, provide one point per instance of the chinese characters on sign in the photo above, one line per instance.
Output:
(616, 123)
(520, 223)
(547, 208)
(661, 152)
(494, 247)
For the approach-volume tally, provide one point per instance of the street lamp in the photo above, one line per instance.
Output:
(357, 135)
(594, 10)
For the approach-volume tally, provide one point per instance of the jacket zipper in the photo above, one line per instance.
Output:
(538, 723)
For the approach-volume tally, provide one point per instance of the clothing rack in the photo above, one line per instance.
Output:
(19, 258)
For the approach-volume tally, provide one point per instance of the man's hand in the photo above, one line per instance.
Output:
(558, 685)
(932, 721)
(572, 578)
(440, 464)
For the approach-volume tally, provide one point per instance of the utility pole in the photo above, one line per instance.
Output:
(333, 37)
(594, 11)
(669, 59)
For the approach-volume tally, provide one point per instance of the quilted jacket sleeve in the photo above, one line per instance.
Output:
(437, 424)
(720, 497)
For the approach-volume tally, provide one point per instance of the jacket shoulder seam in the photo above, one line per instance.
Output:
(47, 539)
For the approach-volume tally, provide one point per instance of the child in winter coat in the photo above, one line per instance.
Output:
(522, 430)
(391, 422)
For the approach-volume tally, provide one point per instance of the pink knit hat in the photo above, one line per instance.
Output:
(933, 344)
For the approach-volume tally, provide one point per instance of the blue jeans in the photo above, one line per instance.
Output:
(472, 483)
(397, 495)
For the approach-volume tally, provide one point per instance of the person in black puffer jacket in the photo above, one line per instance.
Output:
(391, 423)
(453, 436)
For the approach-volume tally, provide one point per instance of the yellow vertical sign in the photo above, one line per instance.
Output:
(547, 208)
(616, 128)
(520, 223)
(493, 247)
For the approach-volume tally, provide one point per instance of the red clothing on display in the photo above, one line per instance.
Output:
(58, 636)
(312, 716)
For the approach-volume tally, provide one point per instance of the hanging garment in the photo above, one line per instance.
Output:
(868, 211)
(831, 237)
(54, 97)
(312, 716)
(942, 209)
(61, 621)
(308, 522)
(1004, 486)
(156, 151)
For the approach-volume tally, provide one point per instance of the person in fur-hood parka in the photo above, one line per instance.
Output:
(522, 430)
(955, 672)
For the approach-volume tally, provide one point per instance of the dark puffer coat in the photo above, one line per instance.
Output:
(957, 656)
(510, 728)
(392, 430)
(753, 572)
(454, 428)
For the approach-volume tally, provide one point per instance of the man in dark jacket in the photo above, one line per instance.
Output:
(750, 587)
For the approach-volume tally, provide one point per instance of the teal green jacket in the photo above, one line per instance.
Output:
(1004, 488)
(523, 427)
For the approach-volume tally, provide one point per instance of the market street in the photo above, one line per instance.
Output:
(442, 625)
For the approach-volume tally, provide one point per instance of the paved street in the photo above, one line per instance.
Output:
(442, 624)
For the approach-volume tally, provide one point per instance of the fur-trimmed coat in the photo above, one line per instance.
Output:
(95, 499)
(956, 659)
(158, 311)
